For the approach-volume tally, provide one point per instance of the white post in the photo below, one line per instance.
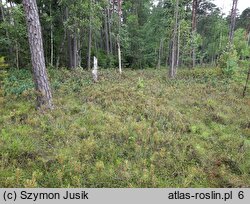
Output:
(119, 56)
(95, 70)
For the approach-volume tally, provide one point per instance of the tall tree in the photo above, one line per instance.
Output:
(110, 28)
(194, 26)
(4, 21)
(233, 20)
(44, 96)
(106, 29)
(90, 36)
(51, 36)
(160, 53)
(119, 35)
(172, 70)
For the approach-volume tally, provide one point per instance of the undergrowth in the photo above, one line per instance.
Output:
(134, 130)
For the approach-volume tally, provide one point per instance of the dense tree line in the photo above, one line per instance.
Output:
(123, 33)
(74, 31)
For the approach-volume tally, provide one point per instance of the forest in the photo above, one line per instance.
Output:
(124, 94)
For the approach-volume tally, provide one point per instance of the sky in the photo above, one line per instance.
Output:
(226, 5)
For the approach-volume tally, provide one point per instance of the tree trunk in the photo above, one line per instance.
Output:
(64, 16)
(51, 38)
(178, 48)
(16, 45)
(119, 55)
(245, 88)
(118, 37)
(109, 31)
(61, 49)
(69, 39)
(90, 37)
(2, 11)
(173, 55)
(248, 39)
(106, 32)
(159, 54)
(17, 54)
(233, 19)
(89, 47)
(70, 53)
(72, 50)
(72, 46)
(74, 54)
(79, 57)
(194, 25)
(44, 96)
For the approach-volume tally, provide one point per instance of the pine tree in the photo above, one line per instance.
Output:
(44, 96)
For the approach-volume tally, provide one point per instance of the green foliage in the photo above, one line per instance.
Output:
(14, 36)
(243, 20)
(115, 134)
(228, 61)
(145, 27)
(140, 83)
(105, 61)
(2, 63)
(241, 44)
(18, 83)
(200, 74)
(214, 30)
(132, 130)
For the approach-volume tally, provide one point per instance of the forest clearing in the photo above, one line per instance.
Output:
(124, 94)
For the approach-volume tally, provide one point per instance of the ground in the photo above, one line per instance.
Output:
(136, 130)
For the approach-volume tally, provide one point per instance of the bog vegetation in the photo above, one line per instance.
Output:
(138, 130)
(166, 107)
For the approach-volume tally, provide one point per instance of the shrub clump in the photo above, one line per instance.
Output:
(228, 61)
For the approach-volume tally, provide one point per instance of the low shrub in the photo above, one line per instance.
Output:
(228, 61)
